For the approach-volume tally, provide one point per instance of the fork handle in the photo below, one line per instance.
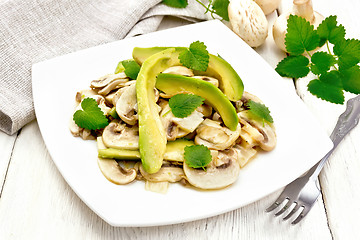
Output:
(346, 122)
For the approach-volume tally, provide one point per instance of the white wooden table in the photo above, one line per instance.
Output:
(36, 202)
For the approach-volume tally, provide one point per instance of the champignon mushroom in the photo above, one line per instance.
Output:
(244, 153)
(211, 80)
(180, 70)
(113, 171)
(268, 140)
(211, 134)
(248, 21)
(221, 172)
(105, 80)
(179, 127)
(167, 173)
(84, 94)
(126, 105)
(302, 8)
(268, 6)
(118, 135)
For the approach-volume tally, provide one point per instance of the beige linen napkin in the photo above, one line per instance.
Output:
(35, 30)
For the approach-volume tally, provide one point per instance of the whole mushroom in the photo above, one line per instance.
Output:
(248, 21)
(301, 8)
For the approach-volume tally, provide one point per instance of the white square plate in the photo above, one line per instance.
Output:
(301, 141)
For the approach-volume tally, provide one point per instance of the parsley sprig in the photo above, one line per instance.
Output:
(90, 117)
(197, 156)
(196, 57)
(183, 104)
(335, 72)
(259, 111)
(218, 7)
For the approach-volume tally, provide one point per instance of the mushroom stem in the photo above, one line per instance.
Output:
(304, 8)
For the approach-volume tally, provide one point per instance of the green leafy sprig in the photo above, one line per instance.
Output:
(90, 117)
(130, 67)
(335, 72)
(218, 7)
(182, 105)
(259, 111)
(197, 156)
(196, 57)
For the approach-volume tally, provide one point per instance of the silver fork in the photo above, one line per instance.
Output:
(303, 192)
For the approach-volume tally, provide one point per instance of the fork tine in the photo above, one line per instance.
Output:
(303, 213)
(294, 210)
(287, 205)
(277, 203)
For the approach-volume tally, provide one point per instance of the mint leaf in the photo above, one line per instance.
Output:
(293, 66)
(197, 156)
(259, 110)
(328, 87)
(328, 30)
(322, 62)
(90, 117)
(131, 67)
(348, 52)
(351, 79)
(300, 36)
(220, 7)
(176, 3)
(182, 105)
(196, 57)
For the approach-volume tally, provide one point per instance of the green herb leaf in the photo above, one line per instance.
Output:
(259, 111)
(328, 30)
(328, 87)
(131, 67)
(220, 7)
(348, 52)
(182, 105)
(293, 66)
(176, 3)
(196, 57)
(351, 79)
(300, 36)
(322, 62)
(197, 156)
(90, 117)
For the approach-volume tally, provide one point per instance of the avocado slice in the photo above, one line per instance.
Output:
(229, 81)
(174, 151)
(174, 84)
(152, 135)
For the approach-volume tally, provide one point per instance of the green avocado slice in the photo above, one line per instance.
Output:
(174, 151)
(175, 84)
(152, 135)
(230, 82)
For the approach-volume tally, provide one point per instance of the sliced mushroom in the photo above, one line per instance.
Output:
(167, 173)
(180, 70)
(210, 133)
(248, 21)
(268, 140)
(126, 105)
(84, 94)
(113, 171)
(105, 80)
(113, 86)
(211, 80)
(117, 135)
(222, 171)
(205, 109)
(179, 127)
(244, 153)
(101, 103)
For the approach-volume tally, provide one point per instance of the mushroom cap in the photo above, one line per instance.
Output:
(211, 134)
(268, 6)
(126, 105)
(216, 175)
(106, 79)
(248, 21)
(120, 136)
(115, 173)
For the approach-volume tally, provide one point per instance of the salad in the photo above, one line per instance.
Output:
(173, 114)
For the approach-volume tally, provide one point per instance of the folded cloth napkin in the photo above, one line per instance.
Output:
(35, 30)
